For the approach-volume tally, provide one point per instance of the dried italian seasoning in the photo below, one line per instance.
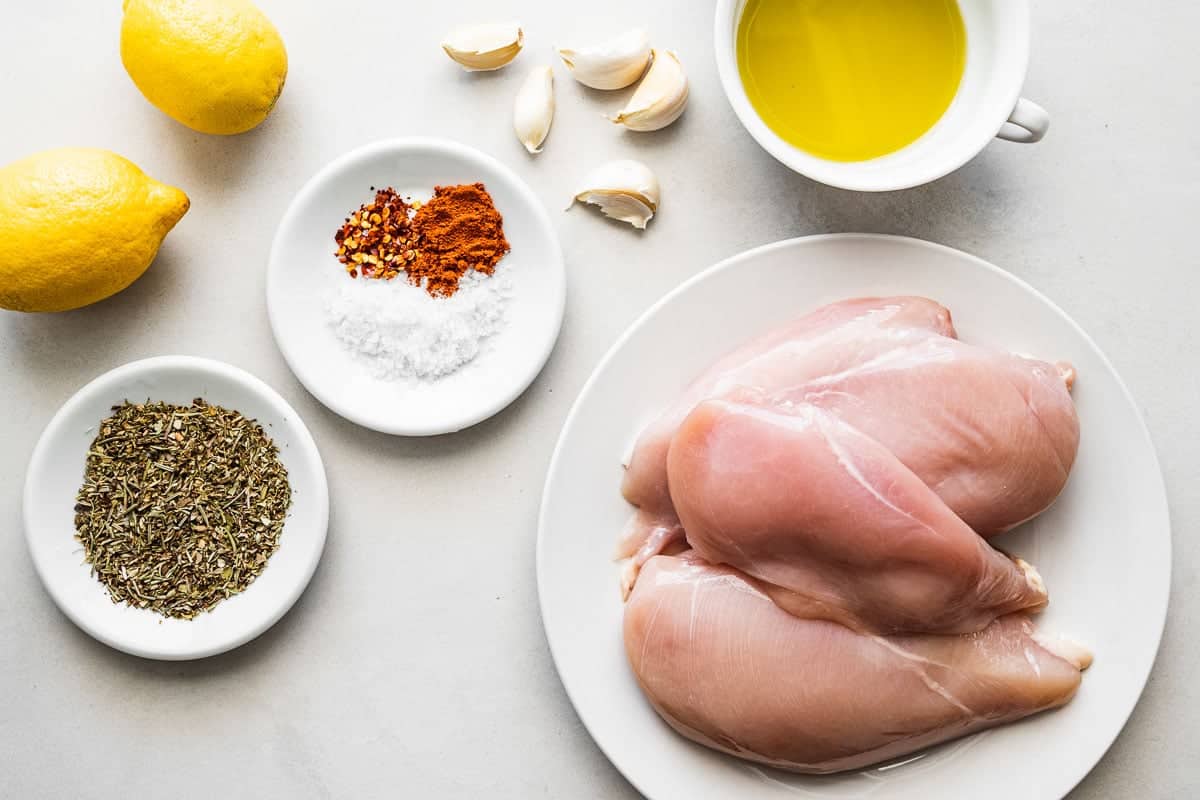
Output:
(181, 506)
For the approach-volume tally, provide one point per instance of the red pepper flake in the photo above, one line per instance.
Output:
(378, 239)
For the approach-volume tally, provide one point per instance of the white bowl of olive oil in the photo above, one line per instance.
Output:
(265, 431)
(875, 95)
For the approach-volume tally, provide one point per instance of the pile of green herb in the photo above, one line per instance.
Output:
(181, 506)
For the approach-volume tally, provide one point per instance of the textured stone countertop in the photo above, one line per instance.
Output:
(415, 664)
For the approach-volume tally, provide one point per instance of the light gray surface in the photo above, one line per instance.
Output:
(415, 664)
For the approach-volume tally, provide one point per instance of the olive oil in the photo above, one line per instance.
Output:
(851, 80)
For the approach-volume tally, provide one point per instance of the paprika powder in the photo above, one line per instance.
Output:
(458, 230)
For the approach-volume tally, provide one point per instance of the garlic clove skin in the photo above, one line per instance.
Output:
(533, 109)
(659, 99)
(613, 64)
(620, 206)
(479, 48)
(624, 190)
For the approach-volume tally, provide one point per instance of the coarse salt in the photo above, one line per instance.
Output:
(399, 331)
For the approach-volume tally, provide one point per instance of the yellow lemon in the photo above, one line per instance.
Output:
(217, 66)
(78, 225)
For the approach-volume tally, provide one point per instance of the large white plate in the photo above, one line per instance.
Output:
(1104, 548)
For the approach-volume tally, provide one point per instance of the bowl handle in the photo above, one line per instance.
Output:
(1027, 123)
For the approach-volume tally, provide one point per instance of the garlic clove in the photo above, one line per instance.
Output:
(533, 110)
(484, 47)
(620, 206)
(660, 98)
(624, 190)
(613, 64)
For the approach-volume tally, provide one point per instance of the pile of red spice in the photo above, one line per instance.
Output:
(377, 240)
(457, 231)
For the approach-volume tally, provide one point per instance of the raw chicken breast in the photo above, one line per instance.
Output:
(828, 341)
(727, 668)
(993, 434)
(808, 504)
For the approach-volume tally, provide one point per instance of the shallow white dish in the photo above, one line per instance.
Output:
(1104, 548)
(303, 272)
(56, 472)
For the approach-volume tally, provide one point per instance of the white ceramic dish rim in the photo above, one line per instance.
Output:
(103, 383)
(827, 172)
(452, 149)
(732, 263)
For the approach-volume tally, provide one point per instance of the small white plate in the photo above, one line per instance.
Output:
(1104, 549)
(56, 472)
(303, 272)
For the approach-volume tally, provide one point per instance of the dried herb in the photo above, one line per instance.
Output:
(181, 506)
